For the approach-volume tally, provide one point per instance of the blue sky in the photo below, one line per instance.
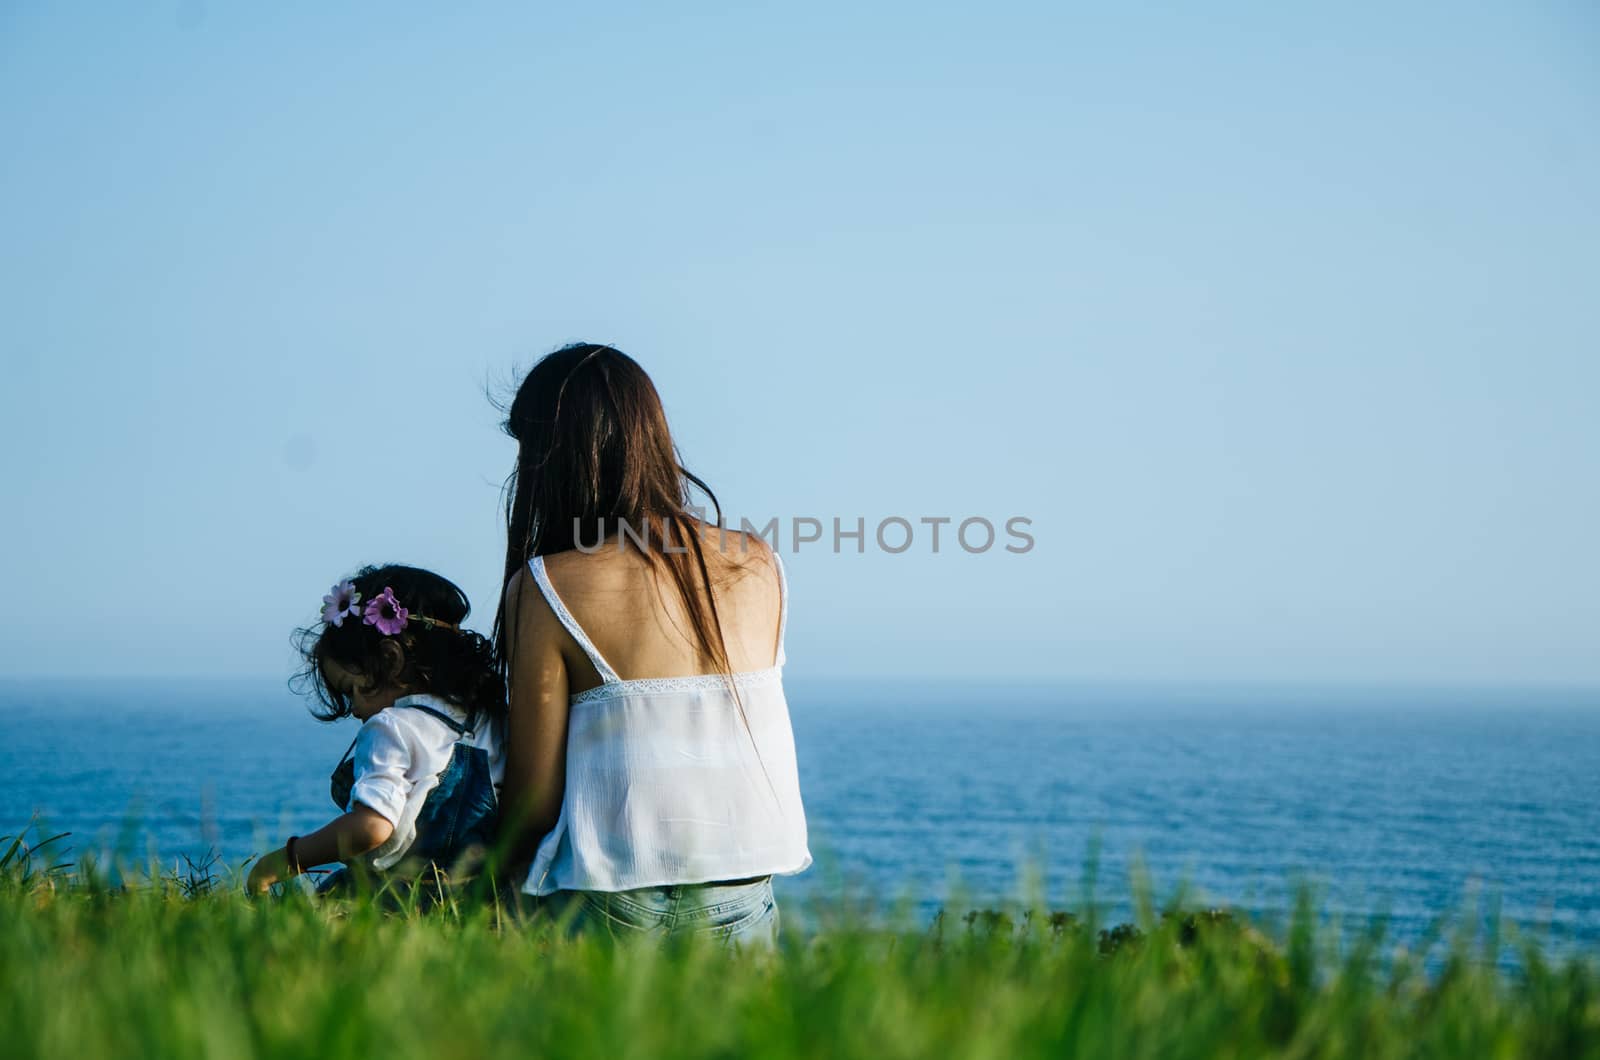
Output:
(1280, 325)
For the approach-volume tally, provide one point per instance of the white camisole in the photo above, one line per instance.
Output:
(665, 784)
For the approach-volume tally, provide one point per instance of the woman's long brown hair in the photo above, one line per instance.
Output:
(594, 455)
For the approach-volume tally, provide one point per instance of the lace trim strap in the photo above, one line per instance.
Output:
(542, 579)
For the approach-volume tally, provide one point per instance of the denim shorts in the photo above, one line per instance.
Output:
(743, 913)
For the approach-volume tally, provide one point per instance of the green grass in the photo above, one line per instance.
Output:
(174, 968)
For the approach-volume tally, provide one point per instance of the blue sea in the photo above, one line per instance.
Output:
(1402, 803)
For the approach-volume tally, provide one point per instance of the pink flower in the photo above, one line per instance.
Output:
(340, 601)
(385, 612)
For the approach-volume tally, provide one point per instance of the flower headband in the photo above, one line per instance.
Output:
(383, 610)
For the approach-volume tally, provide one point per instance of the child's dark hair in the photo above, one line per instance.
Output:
(454, 664)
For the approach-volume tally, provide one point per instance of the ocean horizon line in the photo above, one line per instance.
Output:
(940, 688)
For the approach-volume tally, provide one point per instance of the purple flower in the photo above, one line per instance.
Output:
(340, 601)
(385, 612)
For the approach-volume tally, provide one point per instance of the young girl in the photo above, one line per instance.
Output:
(419, 785)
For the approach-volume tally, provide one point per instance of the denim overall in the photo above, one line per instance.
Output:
(460, 813)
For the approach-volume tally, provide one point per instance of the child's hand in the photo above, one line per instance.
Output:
(345, 837)
(269, 869)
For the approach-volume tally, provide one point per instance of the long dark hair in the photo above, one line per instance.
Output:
(454, 664)
(594, 455)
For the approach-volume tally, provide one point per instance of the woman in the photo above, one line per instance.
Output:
(650, 768)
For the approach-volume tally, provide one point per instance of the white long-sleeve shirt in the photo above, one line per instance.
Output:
(399, 754)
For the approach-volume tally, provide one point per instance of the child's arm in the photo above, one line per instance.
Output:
(342, 839)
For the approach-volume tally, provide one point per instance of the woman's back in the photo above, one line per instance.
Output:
(637, 620)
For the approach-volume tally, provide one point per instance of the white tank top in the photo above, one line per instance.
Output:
(664, 783)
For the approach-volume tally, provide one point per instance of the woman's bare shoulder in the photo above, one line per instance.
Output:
(723, 548)
(601, 566)
(740, 554)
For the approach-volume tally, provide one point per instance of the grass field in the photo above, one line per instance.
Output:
(178, 967)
